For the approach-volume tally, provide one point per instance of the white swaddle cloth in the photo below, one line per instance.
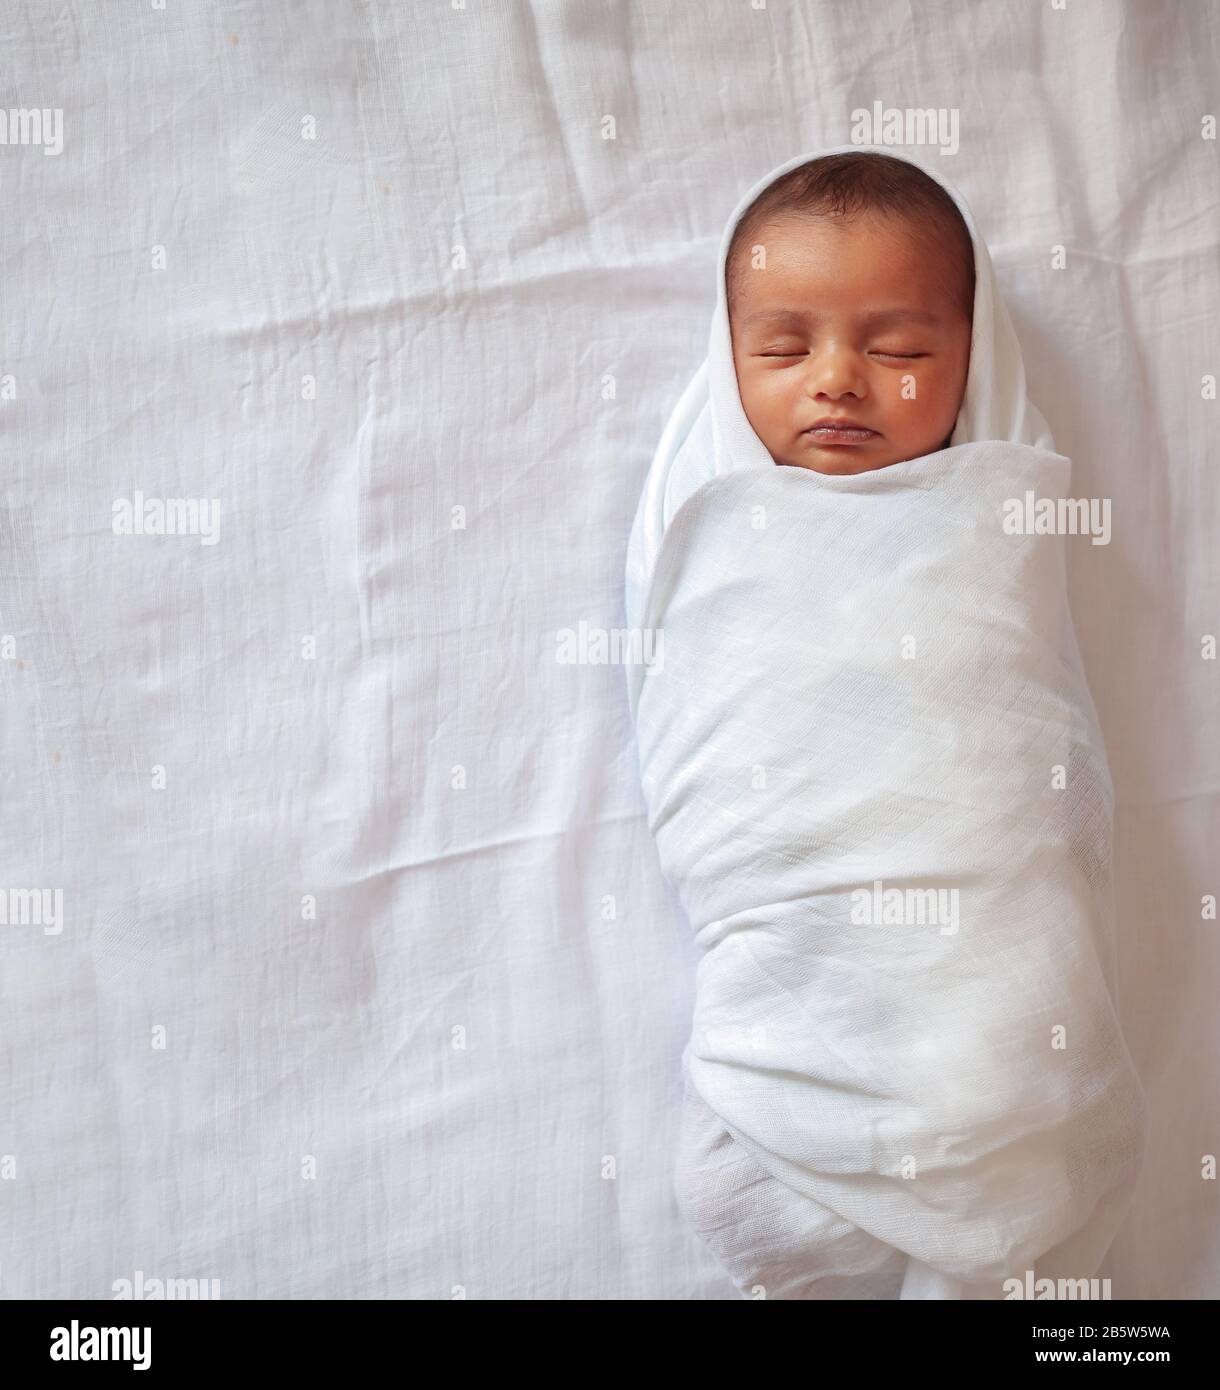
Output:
(871, 688)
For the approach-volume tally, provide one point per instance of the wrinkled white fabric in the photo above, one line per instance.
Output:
(868, 684)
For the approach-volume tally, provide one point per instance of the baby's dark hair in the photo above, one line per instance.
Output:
(844, 185)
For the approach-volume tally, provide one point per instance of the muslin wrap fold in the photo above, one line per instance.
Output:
(875, 777)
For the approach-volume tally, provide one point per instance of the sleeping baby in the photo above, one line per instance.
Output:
(850, 288)
(872, 705)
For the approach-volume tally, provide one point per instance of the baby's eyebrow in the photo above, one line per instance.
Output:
(868, 320)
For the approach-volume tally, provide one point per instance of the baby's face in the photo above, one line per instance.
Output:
(850, 320)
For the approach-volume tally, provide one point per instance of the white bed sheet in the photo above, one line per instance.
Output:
(461, 1078)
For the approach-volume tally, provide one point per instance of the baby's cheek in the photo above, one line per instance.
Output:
(926, 393)
(767, 399)
(910, 394)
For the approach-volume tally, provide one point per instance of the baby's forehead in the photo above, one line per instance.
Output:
(835, 254)
(882, 235)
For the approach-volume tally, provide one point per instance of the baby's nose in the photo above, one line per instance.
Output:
(832, 372)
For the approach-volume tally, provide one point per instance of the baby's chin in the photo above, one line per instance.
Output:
(846, 459)
(840, 461)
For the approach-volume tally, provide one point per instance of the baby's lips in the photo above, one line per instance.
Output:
(831, 423)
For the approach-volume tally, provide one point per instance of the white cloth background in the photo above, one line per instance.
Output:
(498, 307)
